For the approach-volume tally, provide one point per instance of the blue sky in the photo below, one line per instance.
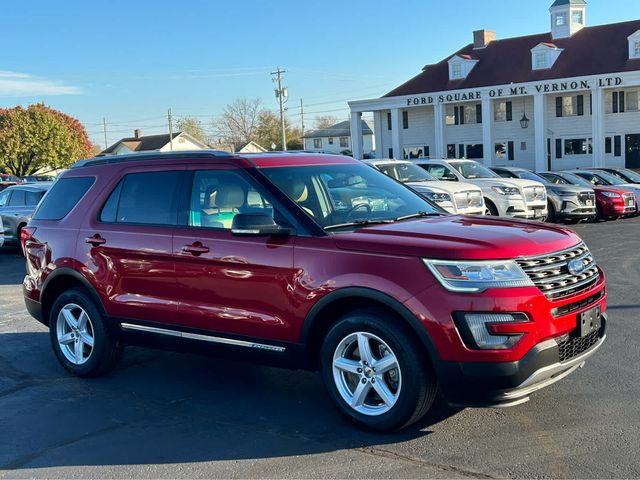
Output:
(129, 61)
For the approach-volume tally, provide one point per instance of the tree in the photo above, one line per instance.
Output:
(269, 131)
(239, 121)
(193, 127)
(324, 121)
(40, 138)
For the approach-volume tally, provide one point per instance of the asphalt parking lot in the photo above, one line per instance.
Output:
(182, 416)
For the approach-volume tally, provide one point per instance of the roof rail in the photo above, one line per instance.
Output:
(148, 156)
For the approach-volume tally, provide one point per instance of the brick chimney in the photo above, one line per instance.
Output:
(137, 133)
(482, 38)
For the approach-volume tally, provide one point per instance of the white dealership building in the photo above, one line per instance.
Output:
(563, 99)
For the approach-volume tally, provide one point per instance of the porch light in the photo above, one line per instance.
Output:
(524, 121)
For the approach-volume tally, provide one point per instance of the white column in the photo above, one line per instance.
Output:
(597, 127)
(438, 114)
(540, 128)
(487, 132)
(356, 135)
(378, 118)
(396, 141)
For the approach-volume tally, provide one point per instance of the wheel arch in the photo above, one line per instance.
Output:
(61, 279)
(335, 304)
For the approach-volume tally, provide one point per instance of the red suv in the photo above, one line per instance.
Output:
(309, 261)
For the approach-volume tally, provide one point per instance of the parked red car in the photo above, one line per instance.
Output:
(310, 261)
(611, 202)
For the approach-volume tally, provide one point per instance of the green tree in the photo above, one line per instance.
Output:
(40, 138)
(193, 127)
(268, 132)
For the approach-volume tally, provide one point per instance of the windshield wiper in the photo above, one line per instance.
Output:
(418, 215)
(359, 223)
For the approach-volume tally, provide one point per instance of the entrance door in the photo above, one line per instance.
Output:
(632, 157)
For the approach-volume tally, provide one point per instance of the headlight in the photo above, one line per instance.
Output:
(477, 276)
(438, 197)
(611, 194)
(505, 190)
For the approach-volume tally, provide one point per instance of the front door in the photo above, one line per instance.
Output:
(228, 284)
(632, 157)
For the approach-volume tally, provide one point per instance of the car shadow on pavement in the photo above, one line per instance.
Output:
(168, 408)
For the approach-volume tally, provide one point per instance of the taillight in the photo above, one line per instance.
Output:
(25, 234)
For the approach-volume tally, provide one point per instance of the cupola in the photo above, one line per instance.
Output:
(567, 17)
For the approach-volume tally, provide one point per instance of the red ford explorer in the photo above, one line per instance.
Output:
(309, 261)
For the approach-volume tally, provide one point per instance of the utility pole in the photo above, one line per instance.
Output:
(104, 127)
(170, 119)
(302, 121)
(281, 94)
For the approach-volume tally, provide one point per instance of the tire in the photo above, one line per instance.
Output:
(490, 208)
(410, 387)
(551, 213)
(89, 349)
(599, 215)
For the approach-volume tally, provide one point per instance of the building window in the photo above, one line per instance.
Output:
(608, 145)
(570, 106)
(578, 146)
(416, 152)
(405, 120)
(561, 19)
(456, 70)
(636, 49)
(451, 151)
(475, 151)
(330, 140)
(632, 100)
(577, 17)
(505, 151)
(463, 114)
(540, 61)
(615, 102)
(344, 142)
(317, 143)
(503, 111)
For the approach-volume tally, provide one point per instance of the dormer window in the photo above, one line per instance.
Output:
(634, 45)
(456, 70)
(544, 55)
(540, 61)
(460, 66)
(636, 49)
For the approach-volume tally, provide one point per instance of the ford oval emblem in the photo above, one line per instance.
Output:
(576, 267)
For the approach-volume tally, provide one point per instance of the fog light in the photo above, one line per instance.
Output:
(491, 331)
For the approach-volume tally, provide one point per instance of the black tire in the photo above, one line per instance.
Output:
(106, 350)
(551, 212)
(418, 381)
(490, 208)
(599, 215)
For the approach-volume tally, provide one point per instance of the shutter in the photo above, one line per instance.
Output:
(510, 151)
(621, 98)
(558, 107)
(427, 154)
(456, 114)
(461, 115)
(389, 121)
(461, 151)
(478, 113)
(558, 148)
(617, 146)
(580, 99)
(405, 120)
(614, 97)
(590, 104)
(509, 111)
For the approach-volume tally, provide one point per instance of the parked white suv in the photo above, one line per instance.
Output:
(506, 197)
(458, 198)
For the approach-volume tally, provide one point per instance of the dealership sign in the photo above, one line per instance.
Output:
(548, 87)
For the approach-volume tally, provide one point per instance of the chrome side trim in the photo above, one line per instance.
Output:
(203, 338)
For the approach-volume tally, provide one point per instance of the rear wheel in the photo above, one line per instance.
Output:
(375, 372)
(80, 338)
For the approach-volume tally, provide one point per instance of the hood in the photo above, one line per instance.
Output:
(614, 189)
(507, 182)
(574, 189)
(459, 237)
(446, 187)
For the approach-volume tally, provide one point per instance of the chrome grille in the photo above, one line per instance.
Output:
(468, 198)
(550, 273)
(535, 194)
(629, 199)
(587, 199)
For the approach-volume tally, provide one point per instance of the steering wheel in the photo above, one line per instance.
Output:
(356, 207)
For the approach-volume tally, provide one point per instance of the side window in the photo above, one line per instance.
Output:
(32, 198)
(62, 197)
(217, 196)
(4, 198)
(144, 198)
(17, 199)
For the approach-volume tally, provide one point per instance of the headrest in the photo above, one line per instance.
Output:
(229, 195)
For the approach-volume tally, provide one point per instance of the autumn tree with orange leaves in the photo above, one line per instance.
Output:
(40, 139)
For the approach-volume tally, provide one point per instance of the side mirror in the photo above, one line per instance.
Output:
(256, 225)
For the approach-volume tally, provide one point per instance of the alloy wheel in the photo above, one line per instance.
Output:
(75, 334)
(367, 374)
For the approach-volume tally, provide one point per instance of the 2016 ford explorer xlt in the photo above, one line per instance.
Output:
(309, 261)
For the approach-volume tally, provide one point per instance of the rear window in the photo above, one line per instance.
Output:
(63, 196)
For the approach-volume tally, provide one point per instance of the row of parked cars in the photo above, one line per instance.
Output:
(467, 187)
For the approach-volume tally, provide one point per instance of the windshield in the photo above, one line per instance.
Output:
(525, 174)
(347, 194)
(405, 172)
(630, 175)
(611, 179)
(473, 170)
(576, 180)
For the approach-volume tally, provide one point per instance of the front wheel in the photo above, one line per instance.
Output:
(490, 209)
(375, 373)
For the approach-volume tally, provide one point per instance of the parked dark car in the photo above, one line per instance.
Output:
(310, 261)
(565, 202)
(17, 204)
(626, 174)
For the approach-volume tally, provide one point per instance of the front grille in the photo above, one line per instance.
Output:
(469, 198)
(550, 273)
(535, 194)
(571, 347)
(629, 199)
(587, 198)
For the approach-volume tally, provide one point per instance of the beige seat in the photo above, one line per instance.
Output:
(224, 202)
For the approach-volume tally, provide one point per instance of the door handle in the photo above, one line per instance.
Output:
(195, 249)
(96, 240)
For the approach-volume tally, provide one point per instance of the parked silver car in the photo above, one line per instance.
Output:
(17, 204)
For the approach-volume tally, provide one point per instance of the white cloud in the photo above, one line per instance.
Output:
(16, 84)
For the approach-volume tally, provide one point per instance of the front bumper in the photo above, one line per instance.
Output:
(516, 207)
(572, 208)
